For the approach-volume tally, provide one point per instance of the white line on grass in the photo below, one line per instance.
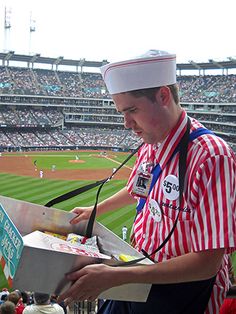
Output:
(117, 162)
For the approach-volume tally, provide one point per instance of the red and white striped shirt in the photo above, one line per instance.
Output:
(207, 218)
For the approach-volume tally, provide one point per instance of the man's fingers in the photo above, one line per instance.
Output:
(75, 220)
(81, 214)
(78, 212)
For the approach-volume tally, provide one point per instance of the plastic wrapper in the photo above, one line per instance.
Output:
(78, 239)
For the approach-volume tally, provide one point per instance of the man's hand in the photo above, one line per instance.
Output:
(83, 213)
(89, 282)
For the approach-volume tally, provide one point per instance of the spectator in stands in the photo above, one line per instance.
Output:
(16, 298)
(7, 307)
(3, 298)
(25, 297)
(42, 305)
(4, 292)
(183, 232)
(53, 300)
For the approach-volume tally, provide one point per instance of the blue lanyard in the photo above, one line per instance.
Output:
(156, 171)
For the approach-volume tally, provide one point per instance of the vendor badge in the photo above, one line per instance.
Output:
(141, 186)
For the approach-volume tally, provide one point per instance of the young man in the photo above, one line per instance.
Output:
(190, 274)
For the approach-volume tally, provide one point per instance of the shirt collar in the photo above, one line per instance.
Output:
(164, 151)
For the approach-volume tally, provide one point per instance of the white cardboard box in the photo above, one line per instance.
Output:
(35, 261)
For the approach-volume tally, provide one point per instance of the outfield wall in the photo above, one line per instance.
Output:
(61, 148)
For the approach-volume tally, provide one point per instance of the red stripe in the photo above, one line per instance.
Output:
(10, 282)
(224, 191)
(135, 62)
(3, 263)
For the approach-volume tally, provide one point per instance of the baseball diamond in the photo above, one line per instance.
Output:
(20, 179)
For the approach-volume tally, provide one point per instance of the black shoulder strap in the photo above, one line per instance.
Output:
(73, 193)
(182, 171)
(88, 187)
(89, 230)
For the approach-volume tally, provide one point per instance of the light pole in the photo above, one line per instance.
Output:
(32, 29)
(7, 29)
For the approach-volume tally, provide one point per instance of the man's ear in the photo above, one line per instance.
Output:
(163, 95)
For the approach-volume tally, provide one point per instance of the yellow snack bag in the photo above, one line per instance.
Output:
(126, 258)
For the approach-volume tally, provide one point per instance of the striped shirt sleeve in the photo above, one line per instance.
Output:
(214, 223)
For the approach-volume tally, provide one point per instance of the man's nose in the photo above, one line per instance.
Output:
(127, 121)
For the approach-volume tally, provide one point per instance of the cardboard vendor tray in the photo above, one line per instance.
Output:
(36, 261)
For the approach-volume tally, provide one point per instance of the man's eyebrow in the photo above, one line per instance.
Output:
(126, 109)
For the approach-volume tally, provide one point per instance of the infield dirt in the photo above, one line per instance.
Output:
(23, 166)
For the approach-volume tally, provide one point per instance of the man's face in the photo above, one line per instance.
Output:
(147, 119)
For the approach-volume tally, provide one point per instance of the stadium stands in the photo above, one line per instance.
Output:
(48, 109)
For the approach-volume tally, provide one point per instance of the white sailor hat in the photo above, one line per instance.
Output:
(152, 69)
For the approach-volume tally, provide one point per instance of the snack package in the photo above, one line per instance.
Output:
(60, 236)
(123, 258)
(78, 239)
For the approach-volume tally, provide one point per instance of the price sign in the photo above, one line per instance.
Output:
(11, 244)
(170, 186)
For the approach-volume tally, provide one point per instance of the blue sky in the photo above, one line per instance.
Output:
(113, 30)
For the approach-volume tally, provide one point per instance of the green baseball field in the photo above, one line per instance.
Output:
(62, 172)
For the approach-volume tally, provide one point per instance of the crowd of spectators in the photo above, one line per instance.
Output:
(208, 88)
(87, 137)
(27, 81)
(19, 116)
(24, 302)
(32, 116)
(39, 127)
(31, 126)
(40, 108)
(27, 302)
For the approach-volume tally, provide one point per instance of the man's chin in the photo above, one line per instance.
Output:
(148, 140)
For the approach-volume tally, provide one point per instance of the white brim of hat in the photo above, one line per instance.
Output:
(140, 73)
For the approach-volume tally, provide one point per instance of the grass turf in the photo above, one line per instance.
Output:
(40, 191)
